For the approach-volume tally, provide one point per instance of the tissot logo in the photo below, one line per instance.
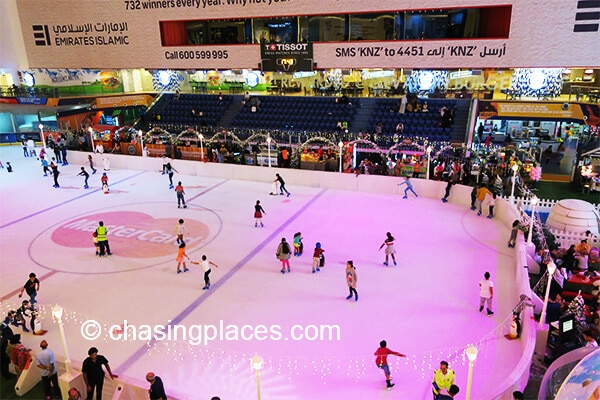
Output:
(41, 35)
(588, 19)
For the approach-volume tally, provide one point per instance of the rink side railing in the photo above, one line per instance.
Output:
(504, 212)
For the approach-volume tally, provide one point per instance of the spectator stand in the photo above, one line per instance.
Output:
(189, 144)
(364, 157)
(405, 151)
(317, 153)
(156, 140)
(126, 134)
(256, 149)
(225, 147)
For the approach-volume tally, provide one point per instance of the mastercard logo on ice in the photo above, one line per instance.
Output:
(131, 234)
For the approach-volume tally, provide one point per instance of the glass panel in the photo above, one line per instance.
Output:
(372, 27)
(426, 25)
(329, 28)
(196, 32)
(276, 30)
(226, 32)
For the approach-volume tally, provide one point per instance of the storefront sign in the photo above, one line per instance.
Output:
(511, 109)
(32, 100)
(134, 100)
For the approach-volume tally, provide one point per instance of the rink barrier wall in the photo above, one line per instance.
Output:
(460, 195)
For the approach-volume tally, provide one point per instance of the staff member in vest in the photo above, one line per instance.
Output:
(443, 378)
(101, 231)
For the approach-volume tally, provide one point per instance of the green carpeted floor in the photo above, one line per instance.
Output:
(7, 391)
(563, 190)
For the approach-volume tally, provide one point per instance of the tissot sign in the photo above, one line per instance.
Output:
(288, 57)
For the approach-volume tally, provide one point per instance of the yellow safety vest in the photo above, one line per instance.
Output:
(101, 232)
(443, 381)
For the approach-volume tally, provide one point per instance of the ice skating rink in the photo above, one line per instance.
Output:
(315, 343)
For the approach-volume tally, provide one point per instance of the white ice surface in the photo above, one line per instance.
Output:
(425, 307)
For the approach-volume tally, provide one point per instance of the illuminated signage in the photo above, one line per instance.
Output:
(288, 57)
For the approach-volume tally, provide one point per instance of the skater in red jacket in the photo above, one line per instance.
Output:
(381, 360)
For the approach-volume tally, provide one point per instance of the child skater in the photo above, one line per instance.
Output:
(389, 249)
(179, 259)
(96, 243)
(180, 229)
(381, 360)
(104, 181)
(298, 246)
(45, 166)
(409, 187)
(258, 213)
(491, 204)
(170, 170)
(513, 234)
(92, 163)
(85, 174)
(283, 254)
(351, 279)
(206, 268)
(317, 258)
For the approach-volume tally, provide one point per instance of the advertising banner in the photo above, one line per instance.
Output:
(537, 110)
(113, 34)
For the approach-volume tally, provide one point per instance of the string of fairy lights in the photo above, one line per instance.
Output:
(289, 367)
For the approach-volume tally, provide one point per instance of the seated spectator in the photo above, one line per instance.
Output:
(582, 263)
(554, 308)
(116, 148)
(399, 128)
(583, 248)
(379, 128)
(74, 394)
(594, 260)
(568, 260)
(19, 354)
(342, 100)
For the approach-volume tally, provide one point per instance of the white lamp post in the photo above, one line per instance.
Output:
(472, 356)
(341, 146)
(429, 149)
(42, 135)
(515, 168)
(534, 201)
(141, 135)
(269, 150)
(257, 363)
(57, 312)
(202, 147)
(91, 131)
(551, 270)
